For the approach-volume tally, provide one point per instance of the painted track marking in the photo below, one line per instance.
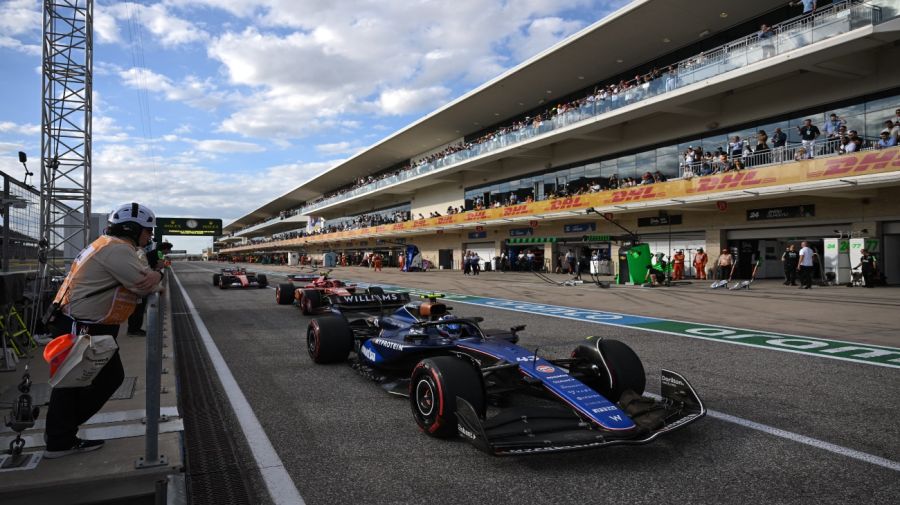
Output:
(279, 483)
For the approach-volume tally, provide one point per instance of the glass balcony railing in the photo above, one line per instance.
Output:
(796, 33)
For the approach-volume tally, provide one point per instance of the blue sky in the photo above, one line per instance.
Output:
(209, 108)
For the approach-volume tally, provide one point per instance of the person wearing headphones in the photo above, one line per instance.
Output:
(101, 290)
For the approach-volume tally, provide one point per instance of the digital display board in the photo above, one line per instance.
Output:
(198, 227)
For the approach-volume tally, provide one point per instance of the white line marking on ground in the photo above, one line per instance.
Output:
(753, 425)
(280, 485)
(802, 439)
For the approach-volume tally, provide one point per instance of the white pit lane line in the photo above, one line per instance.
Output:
(279, 484)
(753, 425)
(802, 439)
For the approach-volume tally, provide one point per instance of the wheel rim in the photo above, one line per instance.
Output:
(425, 397)
(311, 342)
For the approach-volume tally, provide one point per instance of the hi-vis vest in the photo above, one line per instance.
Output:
(123, 302)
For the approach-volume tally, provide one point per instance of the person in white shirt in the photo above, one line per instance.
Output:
(805, 265)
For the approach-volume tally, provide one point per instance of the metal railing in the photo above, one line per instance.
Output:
(794, 34)
(775, 156)
(152, 457)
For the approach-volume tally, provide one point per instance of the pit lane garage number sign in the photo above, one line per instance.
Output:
(188, 226)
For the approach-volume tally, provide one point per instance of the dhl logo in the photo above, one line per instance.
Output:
(567, 203)
(445, 220)
(380, 229)
(515, 210)
(729, 181)
(397, 226)
(419, 223)
(635, 194)
(871, 162)
(477, 215)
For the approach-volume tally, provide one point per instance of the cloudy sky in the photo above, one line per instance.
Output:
(209, 108)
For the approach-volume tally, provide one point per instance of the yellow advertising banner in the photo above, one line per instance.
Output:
(850, 165)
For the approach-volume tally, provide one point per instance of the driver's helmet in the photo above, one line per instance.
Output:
(449, 330)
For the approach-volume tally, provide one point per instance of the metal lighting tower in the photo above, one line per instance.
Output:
(67, 68)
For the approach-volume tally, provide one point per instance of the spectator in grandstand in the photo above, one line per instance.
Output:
(767, 40)
(659, 177)
(801, 154)
(886, 140)
(809, 6)
(856, 143)
(893, 129)
(647, 178)
(779, 140)
(832, 134)
(736, 147)
(808, 135)
(762, 151)
(671, 79)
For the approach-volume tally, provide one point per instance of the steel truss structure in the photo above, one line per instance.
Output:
(67, 68)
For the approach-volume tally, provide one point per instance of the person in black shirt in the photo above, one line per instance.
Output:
(790, 259)
(869, 266)
(808, 135)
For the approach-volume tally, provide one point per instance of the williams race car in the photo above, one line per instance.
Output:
(239, 278)
(452, 371)
(312, 297)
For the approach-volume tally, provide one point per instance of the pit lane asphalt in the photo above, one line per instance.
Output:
(344, 440)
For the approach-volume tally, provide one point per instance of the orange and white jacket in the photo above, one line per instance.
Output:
(100, 287)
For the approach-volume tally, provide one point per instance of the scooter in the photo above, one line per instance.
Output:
(746, 284)
(723, 282)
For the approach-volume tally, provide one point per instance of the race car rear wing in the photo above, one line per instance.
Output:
(363, 302)
(557, 430)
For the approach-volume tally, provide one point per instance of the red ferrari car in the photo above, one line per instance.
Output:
(312, 297)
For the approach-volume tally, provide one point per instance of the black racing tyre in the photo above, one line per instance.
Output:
(376, 290)
(310, 301)
(262, 281)
(329, 339)
(284, 294)
(617, 368)
(433, 388)
(216, 279)
(222, 282)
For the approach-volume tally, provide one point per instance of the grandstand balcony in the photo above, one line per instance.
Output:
(696, 77)
(844, 48)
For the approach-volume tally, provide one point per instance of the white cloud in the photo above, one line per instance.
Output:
(20, 129)
(201, 191)
(19, 17)
(406, 101)
(106, 29)
(17, 45)
(337, 148)
(169, 29)
(226, 146)
(359, 56)
(191, 90)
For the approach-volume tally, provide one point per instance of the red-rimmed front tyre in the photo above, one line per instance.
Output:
(329, 340)
(433, 388)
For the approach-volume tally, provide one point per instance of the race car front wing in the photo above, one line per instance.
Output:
(544, 429)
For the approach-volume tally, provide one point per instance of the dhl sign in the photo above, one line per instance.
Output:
(516, 210)
(858, 165)
(636, 194)
(730, 181)
(791, 173)
(573, 202)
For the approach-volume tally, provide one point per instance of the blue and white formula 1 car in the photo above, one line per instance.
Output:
(456, 373)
